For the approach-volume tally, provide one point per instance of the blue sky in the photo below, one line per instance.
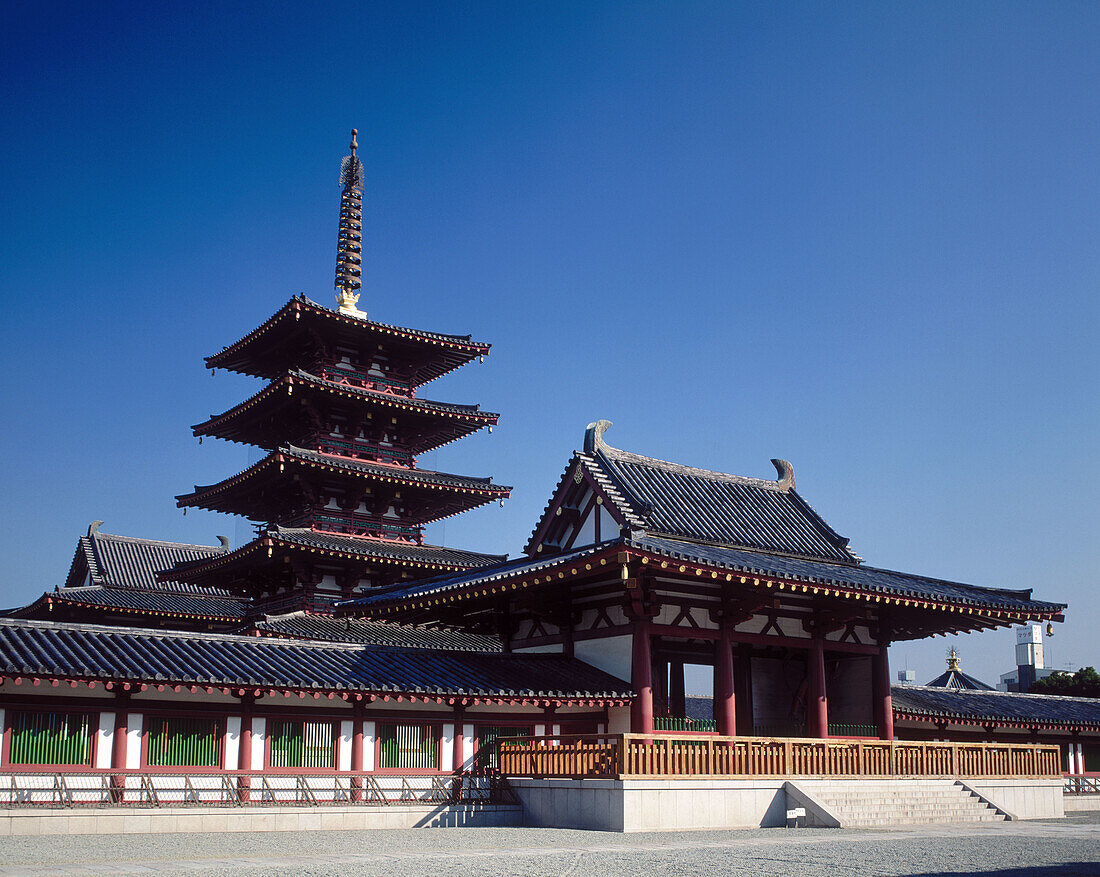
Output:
(858, 236)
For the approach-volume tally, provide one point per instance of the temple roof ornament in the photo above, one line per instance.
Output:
(349, 250)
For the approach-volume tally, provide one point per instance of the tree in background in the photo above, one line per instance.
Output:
(1084, 683)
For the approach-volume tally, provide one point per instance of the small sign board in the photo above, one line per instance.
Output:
(796, 812)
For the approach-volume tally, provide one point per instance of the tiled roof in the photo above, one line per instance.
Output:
(159, 602)
(854, 578)
(681, 501)
(1000, 706)
(400, 474)
(452, 420)
(127, 562)
(437, 352)
(957, 679)
(507, 569)
(862, 578)
(402, 551)
(360, 548)
(78, 651)
(309, 625)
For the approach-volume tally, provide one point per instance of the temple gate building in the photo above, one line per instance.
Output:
(336, 657)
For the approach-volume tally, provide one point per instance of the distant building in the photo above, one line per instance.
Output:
(1030, 663)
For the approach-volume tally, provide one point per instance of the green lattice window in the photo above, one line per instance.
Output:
(409, 746)
(303, 744)
(184, 742)
(51, 738)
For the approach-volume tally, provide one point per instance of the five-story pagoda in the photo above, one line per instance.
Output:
(339, 501)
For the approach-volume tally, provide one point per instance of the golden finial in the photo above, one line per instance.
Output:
(953, 659)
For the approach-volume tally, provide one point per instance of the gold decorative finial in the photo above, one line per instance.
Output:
(349, 249)
(953, 659)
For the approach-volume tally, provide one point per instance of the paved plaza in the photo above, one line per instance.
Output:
(1019, 849)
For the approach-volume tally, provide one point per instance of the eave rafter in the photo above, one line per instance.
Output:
(911, 617)
(367, 695)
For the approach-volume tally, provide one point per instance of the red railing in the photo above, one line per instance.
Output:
(342, 373)
(357, 524)
(618, 755)
(360, 449)
(101, 788)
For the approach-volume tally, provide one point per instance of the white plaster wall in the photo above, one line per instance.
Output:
(259, 731)
(231, 751)
(618, 720)
(610, 654)
(467, 745)
(609, 528)
(133, 741)
(105, 738)
(343, 748)
(447, 756)
(368, 746)
(587, 533)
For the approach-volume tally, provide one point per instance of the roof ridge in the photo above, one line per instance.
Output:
(99, 534)
(642, 460)
(997, 691)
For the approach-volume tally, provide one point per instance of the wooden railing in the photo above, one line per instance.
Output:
(623, 755)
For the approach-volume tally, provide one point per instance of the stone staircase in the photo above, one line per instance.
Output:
(885, 803)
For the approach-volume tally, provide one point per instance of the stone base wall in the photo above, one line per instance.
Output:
(118, 820)
(696, 803)
(1022, 798)
(683, 804)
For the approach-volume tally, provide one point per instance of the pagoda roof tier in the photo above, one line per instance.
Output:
(280, 413)
(302, 330)
(273, 552)
(268, 488)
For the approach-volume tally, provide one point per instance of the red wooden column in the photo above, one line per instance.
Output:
(725, 701)
(118, 748)
(459, 755)
(244, 750)
(641, 679)
(742, 687)
(818, 705)
(880, 691)
(357, 752)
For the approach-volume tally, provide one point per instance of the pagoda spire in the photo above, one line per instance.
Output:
(953, 659)
(349, 249)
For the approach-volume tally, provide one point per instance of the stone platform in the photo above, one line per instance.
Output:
(169, 820)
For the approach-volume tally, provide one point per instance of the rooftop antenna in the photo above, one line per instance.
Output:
(349, 249)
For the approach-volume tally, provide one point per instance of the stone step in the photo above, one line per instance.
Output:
(975, 817)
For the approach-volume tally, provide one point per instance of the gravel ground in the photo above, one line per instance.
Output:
(1052, 847)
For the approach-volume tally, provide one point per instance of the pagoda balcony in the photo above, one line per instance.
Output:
(343, 373)
(361, 449)
(326, 520)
